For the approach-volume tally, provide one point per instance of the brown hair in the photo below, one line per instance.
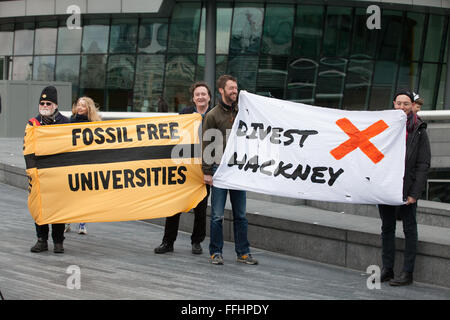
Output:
(419, 101)
(222, 81)
(199, 84)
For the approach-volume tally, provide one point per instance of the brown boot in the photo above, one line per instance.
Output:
(58, 248)
(40, 246)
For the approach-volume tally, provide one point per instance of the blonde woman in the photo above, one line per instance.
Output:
(84, 110)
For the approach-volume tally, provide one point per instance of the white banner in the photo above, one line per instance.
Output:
(295, 150)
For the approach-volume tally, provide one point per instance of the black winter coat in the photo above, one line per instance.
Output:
(418, 158)
(78, 118)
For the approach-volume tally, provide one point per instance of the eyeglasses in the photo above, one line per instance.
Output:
(48, 104)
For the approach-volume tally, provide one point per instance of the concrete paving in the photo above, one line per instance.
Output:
(116, 261)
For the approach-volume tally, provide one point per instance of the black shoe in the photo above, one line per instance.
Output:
(40, 246)
(197, 248)
(406, 278)
(164, 247)
(58, 248)
(386, 274)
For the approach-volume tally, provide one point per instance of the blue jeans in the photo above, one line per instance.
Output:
(240, 224)
(388, 218)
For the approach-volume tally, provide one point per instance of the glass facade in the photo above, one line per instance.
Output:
(320, 54)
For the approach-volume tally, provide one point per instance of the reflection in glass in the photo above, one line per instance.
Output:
(407, 76)
(92, 78)
(92, 73)
(357, 82)
(67, 69)
(6, 39)
(224, 14)
(246, 31)
(69, 41)
(441, 96)
(244, 69)
(45, 42)
(428, 83)
(180, 73)
(119, 82)
(123, 36)
(272, 76)
(302, 80)
(412, 36)
(338, 28)
(95, 37)
(24, 41)
(149, 82)
(434, 38)
(200, 68)
(120, 71)
(184, 28)
(308, 31)
(330, 82)
(383, 83)
(201, 40)
(22, 68)
(438, 191)
(221, 68)
(44, 68)
(152, 36)
(364, 40)
(278, 24)
(389, 39)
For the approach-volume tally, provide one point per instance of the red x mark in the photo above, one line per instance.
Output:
(359, 139)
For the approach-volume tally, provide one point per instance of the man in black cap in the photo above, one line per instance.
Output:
(417, 163)
(49, 114)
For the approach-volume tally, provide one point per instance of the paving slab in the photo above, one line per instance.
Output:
(116, 261)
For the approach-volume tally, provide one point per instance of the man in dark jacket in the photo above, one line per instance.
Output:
(48, 114)
(417, 163)
(201, 97)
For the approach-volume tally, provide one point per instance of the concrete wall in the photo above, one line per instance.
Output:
(20, 101)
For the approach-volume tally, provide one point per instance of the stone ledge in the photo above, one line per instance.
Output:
(329, 237)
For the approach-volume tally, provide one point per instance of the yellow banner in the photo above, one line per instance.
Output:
(116, 170)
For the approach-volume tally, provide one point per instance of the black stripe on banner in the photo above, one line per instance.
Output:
(111, 156)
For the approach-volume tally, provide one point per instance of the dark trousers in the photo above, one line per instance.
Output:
(388, 217)
(199, 231)
(57, 232)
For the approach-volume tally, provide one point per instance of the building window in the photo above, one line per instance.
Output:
(44, 68)
(148, 86)
(69, 40)
(152, 36)
(6, 39)
(247, 29)
(123, 38)
(119, 82)
(22, 68)
(45, 38)
(95, 36)
(92, 77)
(184, 28)
(24, 39)
(317, 54)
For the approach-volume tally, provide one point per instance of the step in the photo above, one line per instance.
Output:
(345, 240)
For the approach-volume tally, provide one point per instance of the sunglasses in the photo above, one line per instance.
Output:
(48, 104)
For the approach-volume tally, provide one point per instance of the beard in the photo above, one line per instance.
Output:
(230, 99)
